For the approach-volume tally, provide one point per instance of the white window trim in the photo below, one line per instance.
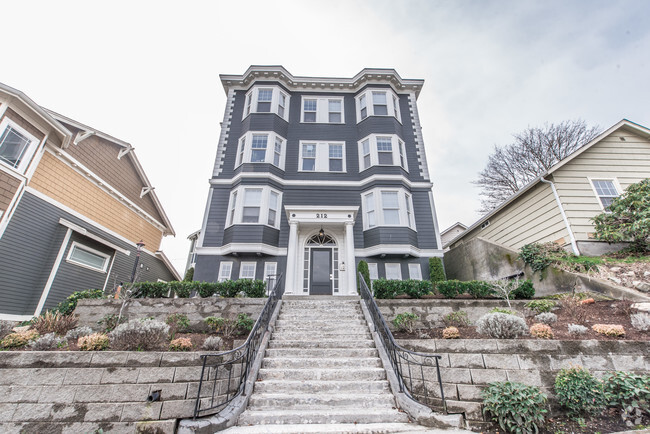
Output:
(322, 109)
(390, 103)
(29, 150)
(264, 206)
(77, 245)
(373, 271)
(252, 97)
(322, 156)
(417, 275)
(614, 181)
(247, 141)
(270, 268)
(402, 197)
(398, 266)
(241, 270)
(222, 276)
(374, 153)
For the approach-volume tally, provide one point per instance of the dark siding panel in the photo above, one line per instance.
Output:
(424, 220)
(216, 217)
(207, 266)
(251, 234)
(389, 235)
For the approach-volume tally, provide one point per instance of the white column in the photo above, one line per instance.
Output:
(290, 277)
(350, 266)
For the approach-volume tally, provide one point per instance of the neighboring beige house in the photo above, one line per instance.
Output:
(558, 206)
(452, 232)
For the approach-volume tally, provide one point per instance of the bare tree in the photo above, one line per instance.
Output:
(534, 150)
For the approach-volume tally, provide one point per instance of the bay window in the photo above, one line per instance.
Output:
(267, 99)
(394, 205)
(322, 110)
(378, 102)
(255, 205)
(261, 147)
(322, 157)
(381, 150)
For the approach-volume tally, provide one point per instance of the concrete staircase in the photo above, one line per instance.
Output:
(322, 373)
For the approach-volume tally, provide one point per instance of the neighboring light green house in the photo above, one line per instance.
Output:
(558, 206)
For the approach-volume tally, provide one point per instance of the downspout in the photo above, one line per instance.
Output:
(574, 245)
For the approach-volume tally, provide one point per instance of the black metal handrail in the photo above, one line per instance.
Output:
(224, 375)
(409, 366)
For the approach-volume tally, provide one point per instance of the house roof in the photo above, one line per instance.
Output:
(161, 255)
(455, 225)
(624, 124)
(331, 84)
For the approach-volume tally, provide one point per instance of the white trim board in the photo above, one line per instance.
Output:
(55, 269)
(242, 248)
(85, 233)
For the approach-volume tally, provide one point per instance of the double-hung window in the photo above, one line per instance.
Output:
(415, 272)
(259, 205)
(16, 145)
(393, 272)
(382, 150)
(322, 157)
(225, 270)
(387, 207)
(88, 258)
(322, 110)
(378, 102)
(606, 191)
(247, 270)
(261, 147)
(267, 99)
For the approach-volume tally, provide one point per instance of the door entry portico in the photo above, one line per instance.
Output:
(321, 272)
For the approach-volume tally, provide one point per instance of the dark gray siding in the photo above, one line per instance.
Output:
(389, 235)
(29, 248)
(216, 217)
(251, 234)
(381, 265)
(207, 266)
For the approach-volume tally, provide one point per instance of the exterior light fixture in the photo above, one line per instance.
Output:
(139, 247)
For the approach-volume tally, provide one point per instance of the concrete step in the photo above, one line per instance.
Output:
(322, 352)
(320, 323)
(268, 401)
(318, 335)
(321, 386)
(355, 415)
(322, 363)
(359, 374)
(308, 330)
(339, 428)
(301, 317)
(351, 343)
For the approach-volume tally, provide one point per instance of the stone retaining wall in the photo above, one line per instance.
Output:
(90, 311)
(468, 365)
(81, 392)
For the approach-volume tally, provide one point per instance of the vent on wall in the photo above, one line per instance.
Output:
(485, 224)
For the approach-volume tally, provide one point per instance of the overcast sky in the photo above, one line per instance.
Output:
(147, 73)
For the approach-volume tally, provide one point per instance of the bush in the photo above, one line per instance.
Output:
(630, 393)
(541, 306)
(578, 391)
(387, 289)
(180, 289)
(577, 329)
(541, 331)
(54, 322)
(180, 344)
(516, 407)
(362, 269)
(501, 326)
(48, 342)
(254, 288)
(139, 335)
(5, 328)
(450, 288)
(502, 310)
(539, 256)
(614, 330)
(212, 343)
(525, 290)
(230, 327)
(94, 342)
(478, 288)
(640, 321)
(67, 306)
(189, 275)
(456, 319)
(110, 321)
(19, 339)
(436, 270)
(405, 322)
(572, 307)
(177, 322)
(206, 289)
(547, 318)
(78, 332)
(450, 333)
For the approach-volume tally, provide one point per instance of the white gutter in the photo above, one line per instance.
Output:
(574, 245)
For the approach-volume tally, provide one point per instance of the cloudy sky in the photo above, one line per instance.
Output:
(147, 73)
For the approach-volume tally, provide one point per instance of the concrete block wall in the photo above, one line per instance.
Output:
(73, 392)
(468, 365)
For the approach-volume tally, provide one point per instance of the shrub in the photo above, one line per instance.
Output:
(450, 333)
(206, 289)
(362, 269)
(516, 407)
(614, 330)
(244, 323)
(577, 329)
(524, 290)
(478, 288)
(189, 275)
(230, 327)
(181, 289)
(47, 342)
(450, 288)
(502, 310)
(630, 393)
(456, 319)
(19, 339)
(67, 306)
(539, 256)
(110, 321)
(5, 328)
(212, 343)
(640, 321)
(54, 322)
(254, 288)
(405, 322)
(547, 318)
(436, 270)
(387, 289)
(227, 288)
(180, 344)
(578, 391)
(177, 322)
(572, 308)
(541, 331)
(139, 335)
(540, 306)
(78, 332)
(94, 342)
(501, 326)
